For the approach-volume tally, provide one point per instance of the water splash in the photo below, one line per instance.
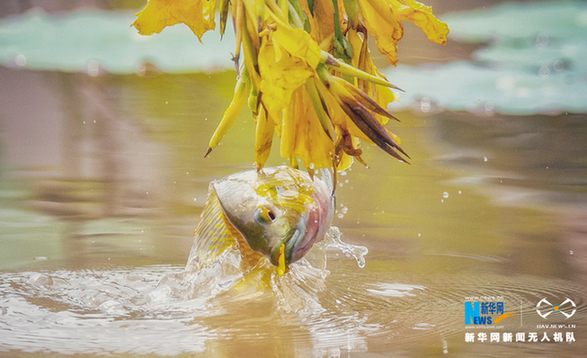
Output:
(332, 241)
(224, 280)
(170, 310)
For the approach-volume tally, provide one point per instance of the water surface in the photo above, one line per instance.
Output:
(98, 215)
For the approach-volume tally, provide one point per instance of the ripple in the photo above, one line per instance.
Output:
(394, 289)
(310, 310)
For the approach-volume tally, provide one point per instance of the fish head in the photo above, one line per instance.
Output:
(278, 211)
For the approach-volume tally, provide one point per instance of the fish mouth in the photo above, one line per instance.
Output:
(296, 244)
(288, 241)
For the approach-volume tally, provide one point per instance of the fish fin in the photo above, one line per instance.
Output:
(212, 236)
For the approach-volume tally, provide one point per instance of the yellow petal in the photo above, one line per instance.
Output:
(286, 132)
(302, 135)
(311, 21)
(311, 143)
(395, 137)
(280, 76)
(281, 261)
(324, 18)
(382, 24)
(234, 109)
(263, 138)
(421, 16)
(297, 42)
(198, 15)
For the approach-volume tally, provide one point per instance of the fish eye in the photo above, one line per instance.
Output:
(264, 215)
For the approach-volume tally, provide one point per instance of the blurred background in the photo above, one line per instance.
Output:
(102, 136)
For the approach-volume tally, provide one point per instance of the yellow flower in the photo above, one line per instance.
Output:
(306, 140)
(381, 22)
(306, 70)
(285, 61)
(382, 19)
(421, 16)
(198, 15)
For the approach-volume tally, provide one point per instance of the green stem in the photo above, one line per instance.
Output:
(337, 31)
(295, 17)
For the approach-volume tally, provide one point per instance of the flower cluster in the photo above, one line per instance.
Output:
(305, 71)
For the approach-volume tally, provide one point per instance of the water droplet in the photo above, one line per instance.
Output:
(558, 65)
(166, 102)
(343, 173)
(195, 199)
(541, 40)
(187, 173)
(489, 108)
(442, 200)
(93, 68)
(206, 118)
(419, 235)
(484, 159)
(20, 60)
(543, 71)
(459, 192)
(311, 166)
(147, 193)
(571, 252)
(340, 215)
(344, 210)
(445, 195)
(425, 104)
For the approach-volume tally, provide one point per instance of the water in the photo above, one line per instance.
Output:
(97, 224)
(102, 180)
(169, 310)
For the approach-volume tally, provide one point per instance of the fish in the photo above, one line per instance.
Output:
(275, 213)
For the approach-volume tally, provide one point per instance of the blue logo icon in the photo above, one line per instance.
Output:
(485, 313)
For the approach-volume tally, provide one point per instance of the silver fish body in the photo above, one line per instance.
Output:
(274, 212)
